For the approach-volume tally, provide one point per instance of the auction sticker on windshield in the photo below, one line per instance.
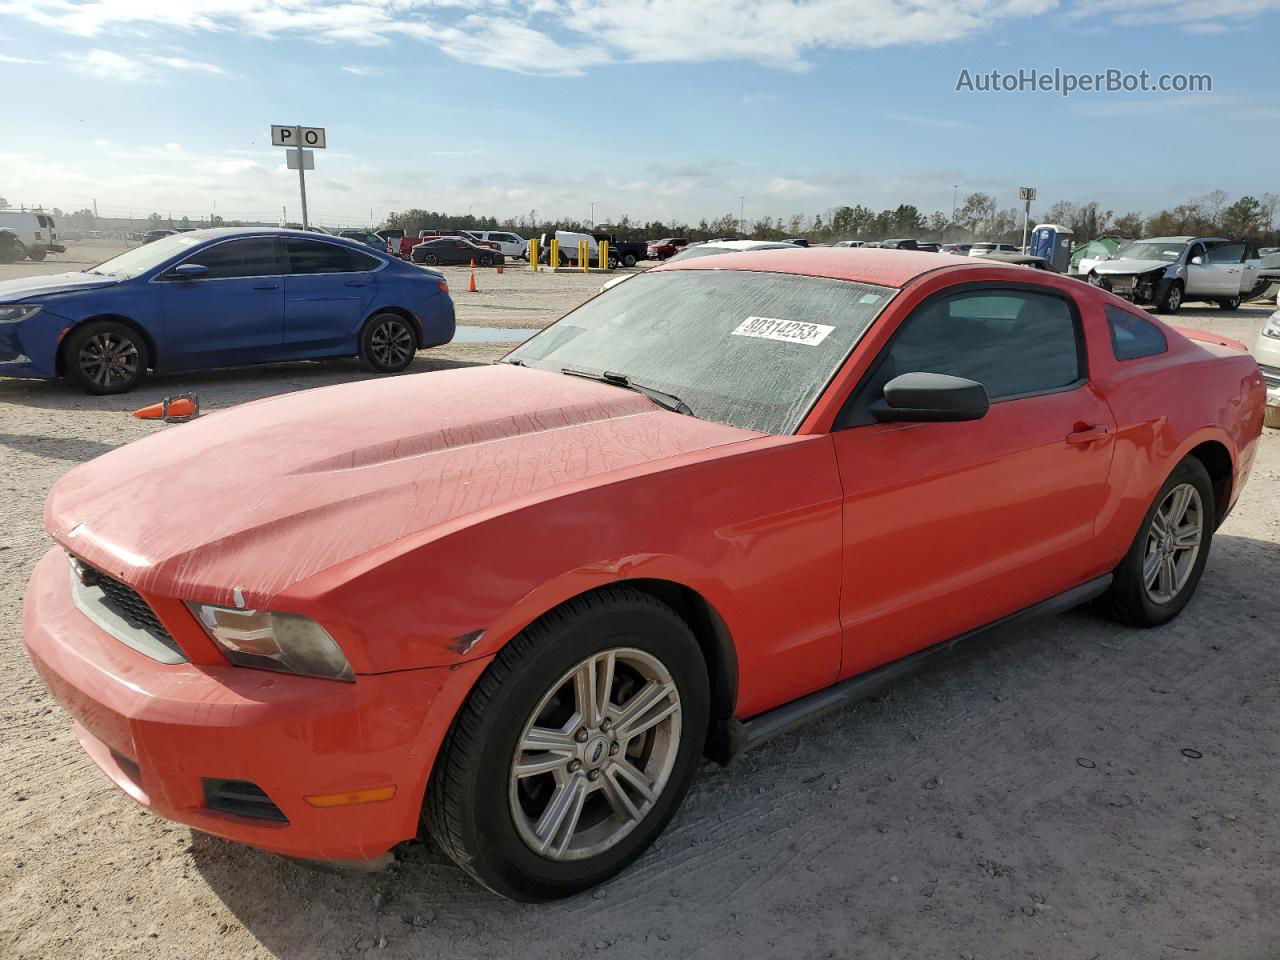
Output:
(788, 331)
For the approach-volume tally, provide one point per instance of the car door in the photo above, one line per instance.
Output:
(951, 526)
(1226, 261)
(327, 289)
(234, 313)
(1205, 278)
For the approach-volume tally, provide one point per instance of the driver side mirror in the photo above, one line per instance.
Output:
(189, 271)
(1197, 261)
(931, 398)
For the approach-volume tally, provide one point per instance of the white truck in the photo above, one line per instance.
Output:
(35, 231)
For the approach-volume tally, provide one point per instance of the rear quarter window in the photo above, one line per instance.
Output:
(1134, 337)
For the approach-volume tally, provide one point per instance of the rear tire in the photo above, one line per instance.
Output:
(486, 260)
(105, 357)
(1134, 597)
(388, 343)
(431, 260)
(629, 260)
(492, 818)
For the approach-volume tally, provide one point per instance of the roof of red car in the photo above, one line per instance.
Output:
(886, 268)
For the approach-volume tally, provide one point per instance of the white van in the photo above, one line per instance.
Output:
(509, 244)
(568, 244)
(35, 232)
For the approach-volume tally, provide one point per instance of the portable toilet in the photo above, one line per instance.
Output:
(1054, 243)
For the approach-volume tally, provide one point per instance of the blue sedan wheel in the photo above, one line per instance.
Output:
(387, 344)
(105, 357)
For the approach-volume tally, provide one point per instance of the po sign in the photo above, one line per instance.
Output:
(291, 136)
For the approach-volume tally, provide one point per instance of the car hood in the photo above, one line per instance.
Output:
(266, 494)
(12, 291)
(1130, 266)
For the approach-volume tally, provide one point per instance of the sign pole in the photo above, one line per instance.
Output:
(302, 178)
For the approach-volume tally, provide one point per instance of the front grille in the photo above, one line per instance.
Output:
(1271, 375)
(99, 593)
(242, 798)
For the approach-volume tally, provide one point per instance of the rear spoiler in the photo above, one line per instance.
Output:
(1208, 336)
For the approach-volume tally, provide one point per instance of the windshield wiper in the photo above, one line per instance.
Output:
(517, 362)
(663, 399)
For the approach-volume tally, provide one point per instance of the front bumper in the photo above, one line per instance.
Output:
(160, 731)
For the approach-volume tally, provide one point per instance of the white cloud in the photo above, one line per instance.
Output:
(107, 65)
(563, 38)
(1216, 17)
(361, 71)
(5, 58)
(182, 63)
(102, 143)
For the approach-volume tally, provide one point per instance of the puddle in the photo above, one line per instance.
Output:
(467, 334)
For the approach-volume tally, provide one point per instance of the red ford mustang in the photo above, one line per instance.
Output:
(520, 602)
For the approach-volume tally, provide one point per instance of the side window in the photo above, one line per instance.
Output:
(1133, 336)
(252, 257)
(362, 261)
(310, 256)
(1226, 253)
(1013, 342)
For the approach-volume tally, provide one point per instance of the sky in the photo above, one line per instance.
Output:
(657, 109)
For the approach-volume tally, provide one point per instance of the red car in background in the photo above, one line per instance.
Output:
(669, 247)
(716, 500)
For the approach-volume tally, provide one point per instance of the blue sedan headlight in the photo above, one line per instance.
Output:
(14, 313)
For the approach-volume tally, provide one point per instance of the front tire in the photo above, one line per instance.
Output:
(105, 357)
(431, 260)
(1172, 301)
(574, 749)
(629, 260)
(387, 343)
(36, 253)
(486, 260)
(1229, 303)
(1158, 576)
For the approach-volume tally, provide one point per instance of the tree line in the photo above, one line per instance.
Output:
(978, 217)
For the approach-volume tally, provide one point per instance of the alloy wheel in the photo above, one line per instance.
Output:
(1173, 543)
(108, 359)
(595, 755)
(391, 343)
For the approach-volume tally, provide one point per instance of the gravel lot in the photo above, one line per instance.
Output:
(1069, 789)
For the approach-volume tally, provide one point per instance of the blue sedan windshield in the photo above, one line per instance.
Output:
(139, 260)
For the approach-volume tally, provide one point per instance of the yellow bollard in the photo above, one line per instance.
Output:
(603, 254)
(533, 254)
(554, 259)
(584, 255)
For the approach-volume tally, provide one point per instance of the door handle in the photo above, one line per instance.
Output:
(266, 286)
(356, 283)
(1086, 434)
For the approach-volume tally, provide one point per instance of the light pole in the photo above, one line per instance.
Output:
(954, 191)
(742, 220)
(592, 218)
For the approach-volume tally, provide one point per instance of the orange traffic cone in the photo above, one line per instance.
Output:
(473, 263)
(471, 287)
(499, 268)
(185, 406)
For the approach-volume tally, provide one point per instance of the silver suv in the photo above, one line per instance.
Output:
(1167, 271)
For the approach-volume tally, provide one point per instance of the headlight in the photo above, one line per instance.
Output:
(1272, 327)
(14, 313)
(274, 641)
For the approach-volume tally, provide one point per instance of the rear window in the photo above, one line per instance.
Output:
(1133, 336)
(310, 256)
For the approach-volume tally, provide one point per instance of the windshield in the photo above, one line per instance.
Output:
(139, 260)
(1146, 250)
(751, 350)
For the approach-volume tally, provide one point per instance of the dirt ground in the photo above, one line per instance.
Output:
(1069, 789)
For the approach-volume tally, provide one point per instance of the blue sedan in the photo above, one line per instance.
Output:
(218, 298)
